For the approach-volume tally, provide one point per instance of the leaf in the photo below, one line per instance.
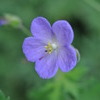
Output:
(91, 92)
(77, 73)
(2, 96)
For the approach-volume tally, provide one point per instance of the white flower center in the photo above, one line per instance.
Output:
(54, 46)
(50, 47)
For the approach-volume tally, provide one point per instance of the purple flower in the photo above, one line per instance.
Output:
(2, 22)
(50, 47)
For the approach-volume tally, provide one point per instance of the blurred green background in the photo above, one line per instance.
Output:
(18, 79)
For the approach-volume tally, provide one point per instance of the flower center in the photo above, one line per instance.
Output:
(50, 47)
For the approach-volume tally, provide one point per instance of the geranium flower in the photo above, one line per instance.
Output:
(2, 22)
(50, 47)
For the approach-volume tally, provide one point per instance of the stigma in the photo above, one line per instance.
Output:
(50, 47)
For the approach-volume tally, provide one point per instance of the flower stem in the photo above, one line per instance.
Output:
(25, 30)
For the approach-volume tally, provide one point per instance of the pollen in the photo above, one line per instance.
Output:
(50, 47)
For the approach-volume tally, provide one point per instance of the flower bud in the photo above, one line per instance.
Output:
(13, 20)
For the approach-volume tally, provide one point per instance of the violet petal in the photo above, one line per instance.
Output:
(41, 29)
(33, 49)
(67, 58)
(3, 22)
(46, 67)
(63, 32)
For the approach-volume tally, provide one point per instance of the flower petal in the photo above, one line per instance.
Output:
(67, 58)
(3, 22)
(46, 67)
(33, 49)
(41, 29)
(63, 32)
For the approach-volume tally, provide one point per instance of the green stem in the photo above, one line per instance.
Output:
(25, 30)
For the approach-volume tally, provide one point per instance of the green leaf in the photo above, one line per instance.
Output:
(91, 92)
(3, 97)
(77, 73)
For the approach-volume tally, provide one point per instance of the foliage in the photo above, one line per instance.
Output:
(63, 86)
(2, 96)
(17, 76)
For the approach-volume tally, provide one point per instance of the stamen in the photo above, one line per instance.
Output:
(50, 47)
